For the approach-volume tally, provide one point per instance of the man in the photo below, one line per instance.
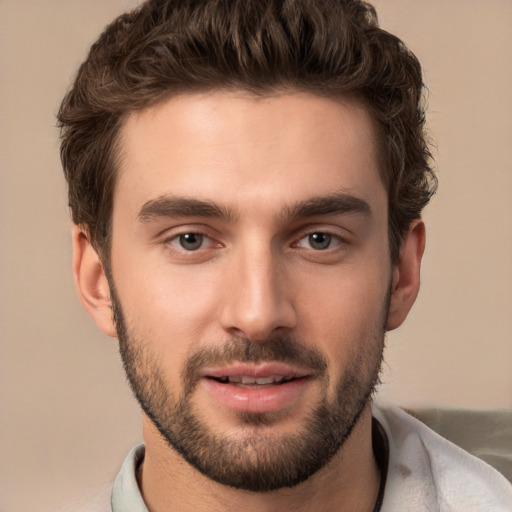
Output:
(246, 181)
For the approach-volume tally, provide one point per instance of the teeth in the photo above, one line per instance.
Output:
(274, 379)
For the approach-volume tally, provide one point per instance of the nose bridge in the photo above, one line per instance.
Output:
(257, 302)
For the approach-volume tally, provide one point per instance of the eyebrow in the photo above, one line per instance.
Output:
(333, 204)
(173, 206)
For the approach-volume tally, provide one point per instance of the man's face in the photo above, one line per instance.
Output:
(251, 270)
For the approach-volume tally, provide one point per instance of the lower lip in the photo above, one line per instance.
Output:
(264, 399)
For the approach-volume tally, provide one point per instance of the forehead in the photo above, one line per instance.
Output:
(237, 148)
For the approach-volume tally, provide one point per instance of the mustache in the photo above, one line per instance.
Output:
(244, 350)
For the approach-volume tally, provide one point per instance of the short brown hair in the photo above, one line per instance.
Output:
(332, 48)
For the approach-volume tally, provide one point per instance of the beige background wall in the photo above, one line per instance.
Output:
(66, 415)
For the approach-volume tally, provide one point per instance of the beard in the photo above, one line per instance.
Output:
(255, 459)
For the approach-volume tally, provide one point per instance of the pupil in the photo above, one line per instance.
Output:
(191, 241)
(319, 240)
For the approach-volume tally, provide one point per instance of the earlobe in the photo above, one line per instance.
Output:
(406, 274)
(91, 282)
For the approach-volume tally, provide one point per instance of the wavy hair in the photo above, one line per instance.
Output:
(332, 48)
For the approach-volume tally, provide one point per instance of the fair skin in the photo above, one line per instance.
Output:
(255, 270)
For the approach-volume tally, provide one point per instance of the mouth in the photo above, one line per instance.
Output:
(256, 388)
(246, 381)
(260, 375)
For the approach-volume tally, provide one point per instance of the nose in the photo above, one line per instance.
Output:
(258, 296)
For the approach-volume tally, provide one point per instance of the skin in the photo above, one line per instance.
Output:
(256, 273)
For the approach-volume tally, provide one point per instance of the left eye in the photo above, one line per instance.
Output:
(190, 241)
(318, 241)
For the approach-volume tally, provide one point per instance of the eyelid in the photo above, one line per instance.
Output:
(183, 229)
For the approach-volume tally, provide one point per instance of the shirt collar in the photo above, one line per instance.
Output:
(126, 495)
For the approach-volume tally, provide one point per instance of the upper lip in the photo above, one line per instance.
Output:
(258, 371)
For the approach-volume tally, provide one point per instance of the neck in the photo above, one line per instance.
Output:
(349, 482)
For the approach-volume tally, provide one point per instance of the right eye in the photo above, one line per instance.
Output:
(190, 241)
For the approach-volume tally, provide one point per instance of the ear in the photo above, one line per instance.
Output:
(406, 274)
(91, 282)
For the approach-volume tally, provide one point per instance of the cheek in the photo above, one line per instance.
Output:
(171, 307)
(345, 313)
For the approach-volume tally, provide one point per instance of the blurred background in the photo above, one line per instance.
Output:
(67, 418)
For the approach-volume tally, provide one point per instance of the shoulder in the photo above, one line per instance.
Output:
(426, 471)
